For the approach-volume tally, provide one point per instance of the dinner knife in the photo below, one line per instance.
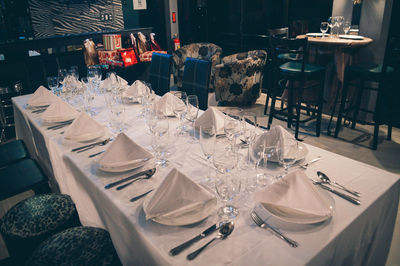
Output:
(180, 248)
(147, 172)
(340, 194)
(88, 145)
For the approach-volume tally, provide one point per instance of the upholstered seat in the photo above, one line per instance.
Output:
(368, 69)
(13, 151)
(204, 51)
(238, 78)
(35, 219)
(76, 246)
(295, 68)
(160, 73)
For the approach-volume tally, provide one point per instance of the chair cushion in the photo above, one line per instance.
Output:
(12, 151)
(160, 73)
(295, 68)
(287, 57)
(369, 68)
(76, 246)
(39, 215)
(19, 177)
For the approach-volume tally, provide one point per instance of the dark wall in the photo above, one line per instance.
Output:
(53, 17)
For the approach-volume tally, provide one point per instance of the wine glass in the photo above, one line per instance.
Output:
(62, 73)
(191, 113)
(52, 82)
(346, 27)
(339, 22)
(207, 143)
(232, 129)
(331, 24)
(117, 111)
(73, 70)
(179, 109)
(160, 138)
(263, 153)
(324, 28)
(287, 151)
(226, 184)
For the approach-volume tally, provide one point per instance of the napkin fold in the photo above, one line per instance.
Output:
(41, 97)
(123, 152)
(165, 104)
(107, 84)
(276, 136)
(136, 90)
(85, 128)
(59, 111)
(176, 196)
(212, 116)
(295, 196)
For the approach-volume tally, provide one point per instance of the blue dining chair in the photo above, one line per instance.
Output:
(160, 73)
(196, 80)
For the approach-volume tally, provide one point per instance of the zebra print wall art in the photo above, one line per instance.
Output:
(54, 17)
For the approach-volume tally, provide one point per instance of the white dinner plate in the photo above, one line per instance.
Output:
(351, 37)
(316, 34)
(123, 168)
(302, 153)
(188, 218)
(299, 217)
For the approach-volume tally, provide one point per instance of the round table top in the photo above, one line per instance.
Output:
(335, 41)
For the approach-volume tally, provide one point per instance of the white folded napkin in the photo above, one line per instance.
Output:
(165, 104)
(85, 128)
(276, 136)
(59, 111)
(41, 97)
(295, 196)
(212, 116)
(107, 84)
(176, 196)
(136, 90)
(123, 152)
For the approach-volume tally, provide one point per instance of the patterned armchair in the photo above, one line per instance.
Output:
(239, 76)
(204, 51)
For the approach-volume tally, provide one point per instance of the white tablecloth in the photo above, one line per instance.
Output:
(355, 235)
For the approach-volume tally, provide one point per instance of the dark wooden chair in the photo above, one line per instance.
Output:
(386, 110)
(300, 76)
(160, 73)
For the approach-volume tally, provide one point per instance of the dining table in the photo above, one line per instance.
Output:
(353, 235)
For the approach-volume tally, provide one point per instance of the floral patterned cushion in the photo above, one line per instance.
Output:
(76, 246)
(239, 76)
(204, 51)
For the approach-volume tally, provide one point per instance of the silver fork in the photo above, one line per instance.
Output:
(263, 224)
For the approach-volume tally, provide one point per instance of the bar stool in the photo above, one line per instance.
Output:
(33, 220)
(385, 74)
(76, 246)
(11, 152)
(300, 76)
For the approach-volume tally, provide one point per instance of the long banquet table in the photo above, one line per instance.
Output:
(355, 235)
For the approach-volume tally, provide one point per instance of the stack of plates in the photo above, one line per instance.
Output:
(351, 37)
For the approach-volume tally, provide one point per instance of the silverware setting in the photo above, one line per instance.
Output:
(60, 125)
(38, 111)
(95, 154)
(261, 223)
(148, 172)
(89, 146)
(147, 176)
(325, 179)
(334, 191)
(224, 231)
(140, 196)
(310, 162)
(178, 249)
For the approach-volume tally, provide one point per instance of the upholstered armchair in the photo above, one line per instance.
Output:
(204, 51)
(239, 76)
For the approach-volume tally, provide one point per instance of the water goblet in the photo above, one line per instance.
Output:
(324, 28)
(332, 25)
(179, 109)
(207, 143)
(52, 82)
(191, 114)
(62, 73)
(160, 139)
(346, 27)
(339, 22)
(232, 129)
(287, 151)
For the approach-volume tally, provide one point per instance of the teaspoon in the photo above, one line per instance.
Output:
(224, 231)
(325, 179)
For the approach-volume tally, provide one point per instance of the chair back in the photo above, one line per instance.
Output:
(160, 73)
(387, 105)
(196, 80)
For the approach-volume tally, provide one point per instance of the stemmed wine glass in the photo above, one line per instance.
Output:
(52, 82)
(263, 153)
(324, 28)
(191, 114)
(346, 27)
(232, 125)
(331, 24)
(339, 22)
(207, 143)
(160, 138)
(287, 151)
(179, 109)
(226, 184)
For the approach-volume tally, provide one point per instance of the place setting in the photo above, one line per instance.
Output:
(40, 100)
